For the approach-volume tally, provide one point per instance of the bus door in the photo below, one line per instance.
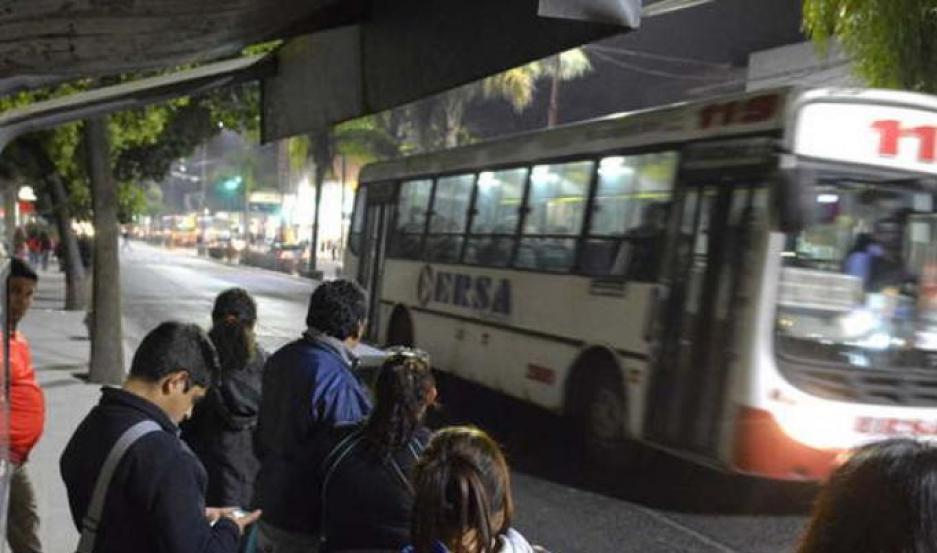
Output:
(379, 211)
(694, 330)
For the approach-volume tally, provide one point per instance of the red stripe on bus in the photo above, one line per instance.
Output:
(541, 374)
(762, 448)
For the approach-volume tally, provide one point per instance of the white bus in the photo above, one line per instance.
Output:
(749, 282)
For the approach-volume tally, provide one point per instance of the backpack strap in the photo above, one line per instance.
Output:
(89, 525)
(415, 447)
(332, 460)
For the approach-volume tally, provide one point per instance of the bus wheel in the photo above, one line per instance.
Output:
(400, 329)
(604, 419)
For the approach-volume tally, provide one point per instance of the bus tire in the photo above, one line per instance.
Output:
(400, 329)
(602, 417)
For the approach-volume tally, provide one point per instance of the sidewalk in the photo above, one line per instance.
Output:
(60, 351)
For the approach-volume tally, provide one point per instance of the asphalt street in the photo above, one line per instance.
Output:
(561, 503)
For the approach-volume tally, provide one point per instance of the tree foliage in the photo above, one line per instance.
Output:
(893, 43)
(361, 140)
(438, 122)
(144, 141)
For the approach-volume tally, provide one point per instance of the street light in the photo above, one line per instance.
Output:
(232, 184)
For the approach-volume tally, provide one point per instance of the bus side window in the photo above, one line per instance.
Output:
(412, 207)
(556, 208)
(357, 220)
(497, 210)
(450, 214)
(629, 214)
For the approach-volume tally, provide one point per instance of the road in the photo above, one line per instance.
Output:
(668, 507)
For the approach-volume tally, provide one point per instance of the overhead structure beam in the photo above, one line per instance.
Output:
(70, 39)
(133, 94)
(409, 49)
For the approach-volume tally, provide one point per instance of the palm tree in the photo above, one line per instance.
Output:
(565, 66)
(363, 140)
(438, 121)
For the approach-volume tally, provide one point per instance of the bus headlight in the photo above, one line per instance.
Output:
(814, 426)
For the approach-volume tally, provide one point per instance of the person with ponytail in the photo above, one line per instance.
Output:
(366, 491)
(462, 500)
(221, 428)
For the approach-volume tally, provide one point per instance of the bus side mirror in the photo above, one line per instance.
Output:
(794, 198)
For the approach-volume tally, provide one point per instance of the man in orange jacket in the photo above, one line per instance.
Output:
(27, 414)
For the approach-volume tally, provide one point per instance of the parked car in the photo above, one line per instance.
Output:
(227, 249)
(286, 258)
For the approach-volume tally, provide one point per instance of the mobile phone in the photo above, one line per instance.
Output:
(238, 513)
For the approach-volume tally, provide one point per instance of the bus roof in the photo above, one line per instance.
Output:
(762, 111)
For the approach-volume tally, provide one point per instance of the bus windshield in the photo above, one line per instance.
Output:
(858, 286)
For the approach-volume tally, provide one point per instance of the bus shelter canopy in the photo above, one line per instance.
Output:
(409, 49)
(346, 58)
(46, 41)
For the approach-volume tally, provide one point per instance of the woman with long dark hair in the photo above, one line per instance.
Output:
(463, 498)
(883, 500)
(221, 428)
(367, 494)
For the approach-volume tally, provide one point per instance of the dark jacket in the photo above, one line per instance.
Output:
(221, 433)
(308, 389)
(366, 500)
(155, 502)
(509, 542)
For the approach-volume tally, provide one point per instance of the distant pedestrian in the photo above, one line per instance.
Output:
(883, 500)
(309, 388)
(27, 414)
(367, 491)
(221, 428)
(156, 491)
(35, 248)
(463, 497)
(45, 249)
(126, 239)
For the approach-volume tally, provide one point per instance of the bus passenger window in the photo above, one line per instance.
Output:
(555, 212)
(497, 208)
(629, 215)
(450, 214)
(412, 206)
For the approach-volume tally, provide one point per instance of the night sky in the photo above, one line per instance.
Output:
(720, 35)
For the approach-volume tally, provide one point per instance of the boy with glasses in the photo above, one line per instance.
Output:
(155, 495)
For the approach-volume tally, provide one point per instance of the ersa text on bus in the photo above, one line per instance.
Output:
(478, 292)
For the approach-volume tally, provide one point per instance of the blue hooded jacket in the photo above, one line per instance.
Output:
(308, 389)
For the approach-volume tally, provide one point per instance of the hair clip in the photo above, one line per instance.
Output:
(407, 353)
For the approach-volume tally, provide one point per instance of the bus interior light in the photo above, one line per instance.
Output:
(542, 175)
(815, 426)
(614, 167)
(827, 198)
(487, 181)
